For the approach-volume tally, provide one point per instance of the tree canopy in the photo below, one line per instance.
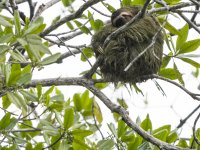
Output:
(38, 113)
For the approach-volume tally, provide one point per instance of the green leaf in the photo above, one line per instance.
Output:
(169, 73)
(146, 124)
(165, 127)
(36, 27)
(15, 74)
(182, 143)
(4, 48)
(6, 38)
(97, 112)
(172, 2)
(189, 46)
(182, 37)
(5, 102)
(56, 19)
(171, 28)
(4, 22)
(67, 2)
(5, 121)
(126, 2)
(68, 118)
(16, 55)
(29, 96)
(108, 6)
(172, 137)
(87, 53)
(82, 27)
(121, 128)
(86, 101)
(24, 79)
(161, 135)
(138, 2)
(17, 22)
(70, 26)
(190, 61)
(18, 101)
(81, 133)
(77, 102)
(50, 59)
(105, 144)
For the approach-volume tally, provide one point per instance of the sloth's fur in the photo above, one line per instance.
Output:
(121, 50)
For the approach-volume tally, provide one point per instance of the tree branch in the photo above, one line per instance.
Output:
(72, 16)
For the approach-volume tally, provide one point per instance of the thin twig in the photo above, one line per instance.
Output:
(194, 128)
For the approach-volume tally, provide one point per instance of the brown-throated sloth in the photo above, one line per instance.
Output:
(127, 45)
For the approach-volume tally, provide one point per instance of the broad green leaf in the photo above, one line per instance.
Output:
(79, 144)
(126, 2)
(58, 118)
(97, 112)
(121, 128)
(122, 103)
(4, 48)
(161, 135)
(36, 27)
(4, 22)
(17, 56)
(81, 133)
(39, 90)
(17, 22)
(82, 27)
(49, 91)
(24, 79)
(138, 2)
(86, 101)
(190, 61)
(56, 19)
(70, 26)
(68, 118)
(29, 96)
(5, 121)
(108, 6)
(182, 37)
(18, 101)
(15, 74)
(105, 144)
(50, 59)
(172, 137)
(171, 28)
(77, 102)
(6, 38)
(189, 46)
(86, 53)
(49, 130)
(169, 73)
(128, 138)
(22, 41)
(67, 2)
(182, 143)
(5, 102)
(165, 127)
(64, 145)
(146, 124)
(172, 2)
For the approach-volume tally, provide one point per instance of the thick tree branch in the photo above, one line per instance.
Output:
(89, 84)
(72, 16)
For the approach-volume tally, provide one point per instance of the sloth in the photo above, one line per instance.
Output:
(127, 45)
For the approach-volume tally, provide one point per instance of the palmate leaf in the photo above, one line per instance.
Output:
(4, 22)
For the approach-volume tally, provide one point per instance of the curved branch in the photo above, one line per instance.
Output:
(89, 84)
(74, 15)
